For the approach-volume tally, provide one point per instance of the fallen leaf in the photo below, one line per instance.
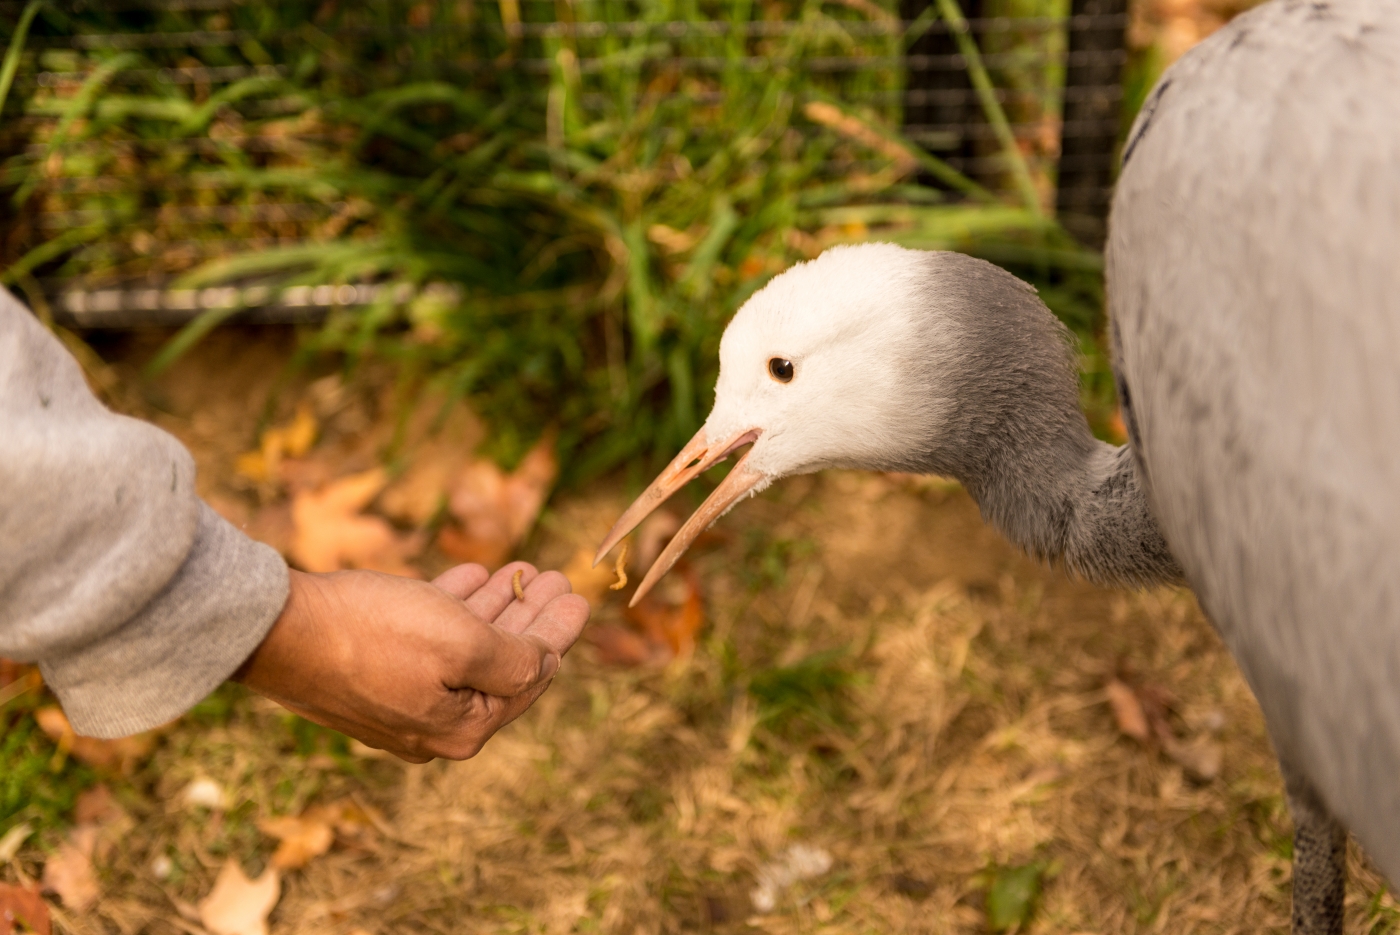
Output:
(238, 905)
(23, 904)
(1127, 711)
(291, 440)
(416, 495)
(312, 833)
(68, 871)
(495, 510)
(672, 615)
(1011, 897)
(438, 436)
(302, 838)
(122, 754)
(592, 583)
(96, 806)
(1201, 757)
(331, 534)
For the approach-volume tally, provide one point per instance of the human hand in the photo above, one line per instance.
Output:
(419, 669)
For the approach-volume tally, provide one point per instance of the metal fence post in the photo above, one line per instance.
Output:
(940, 107)
(1093, 98)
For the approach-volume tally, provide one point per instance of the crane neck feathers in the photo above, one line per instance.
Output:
(1011, 430)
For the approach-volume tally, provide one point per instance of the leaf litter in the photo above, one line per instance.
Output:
(1142, 713)
(311, 834)
(492, 511)
(238, 905)
(122, 755)
(979, 735)
(22, 905)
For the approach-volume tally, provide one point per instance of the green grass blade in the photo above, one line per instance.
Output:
(7, 71)
(986, 93)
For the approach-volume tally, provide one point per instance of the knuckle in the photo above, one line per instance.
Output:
(461, 748)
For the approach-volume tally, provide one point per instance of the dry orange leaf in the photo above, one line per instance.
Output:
(302, 838)
(494, 509)
(238, 905)
(1128, 713)
(68, 872)
(312, 833)
(664, 625)
(123, 753)
(438, 441)
(23, 904)
(672, 620)
(96, 806)
(329, 532)
(291, 440)
(419, 492)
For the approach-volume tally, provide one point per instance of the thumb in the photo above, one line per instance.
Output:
(498, 662)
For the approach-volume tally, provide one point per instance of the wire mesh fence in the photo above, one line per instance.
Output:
(150, 138)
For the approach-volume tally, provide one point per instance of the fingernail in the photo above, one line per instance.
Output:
(551, 666)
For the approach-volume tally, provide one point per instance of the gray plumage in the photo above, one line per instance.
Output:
(1254, 282)
(1254, 291)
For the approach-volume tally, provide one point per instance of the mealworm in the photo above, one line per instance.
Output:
(620, 569)
(515, 584)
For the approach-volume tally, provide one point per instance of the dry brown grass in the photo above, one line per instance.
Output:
(968, 732)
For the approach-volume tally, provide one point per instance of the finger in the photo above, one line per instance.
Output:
(498, 662)
(462, 581)
(518, 615)
(495, 595)
(560, 623)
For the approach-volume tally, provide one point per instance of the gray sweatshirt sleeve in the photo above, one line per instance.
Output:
(133, 596)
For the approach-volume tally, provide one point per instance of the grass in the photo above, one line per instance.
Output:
(909, 694)
(580, 193)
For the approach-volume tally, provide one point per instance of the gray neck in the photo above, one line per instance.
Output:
(1014, 435)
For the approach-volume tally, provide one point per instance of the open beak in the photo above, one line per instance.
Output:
(694, 459)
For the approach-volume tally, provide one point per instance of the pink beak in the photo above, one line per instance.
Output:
(695, 458)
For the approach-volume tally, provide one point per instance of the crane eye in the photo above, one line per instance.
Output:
(780, 369)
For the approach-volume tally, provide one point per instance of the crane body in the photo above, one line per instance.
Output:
(1253, 269)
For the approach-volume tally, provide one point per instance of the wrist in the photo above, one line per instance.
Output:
(261, 670)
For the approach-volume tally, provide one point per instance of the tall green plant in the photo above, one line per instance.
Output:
(580, 193)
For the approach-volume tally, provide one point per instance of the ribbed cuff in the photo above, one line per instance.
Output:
(191, 637)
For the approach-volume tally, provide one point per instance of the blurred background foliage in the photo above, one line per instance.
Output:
(579, 194)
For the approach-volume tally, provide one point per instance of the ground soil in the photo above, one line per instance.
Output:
(947, 727)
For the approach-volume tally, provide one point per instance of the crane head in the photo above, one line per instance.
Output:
(832, 364)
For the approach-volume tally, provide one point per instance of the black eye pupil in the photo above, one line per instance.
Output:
(781, 369)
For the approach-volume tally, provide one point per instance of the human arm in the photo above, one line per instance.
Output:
(419, 669)
(133, 596)
(137, 600)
